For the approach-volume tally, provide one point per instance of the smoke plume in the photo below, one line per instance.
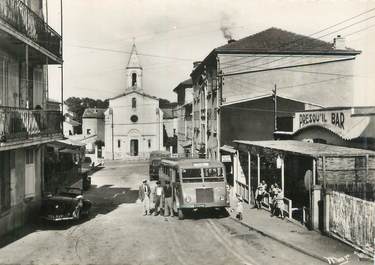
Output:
(226, 25)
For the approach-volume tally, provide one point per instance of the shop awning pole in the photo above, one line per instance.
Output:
(258, 157)
(249, 174)
(314, 172)
(282, 175)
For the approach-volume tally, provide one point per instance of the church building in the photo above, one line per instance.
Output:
(133, 120)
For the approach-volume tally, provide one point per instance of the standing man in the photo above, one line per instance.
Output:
(144, 196)
(158, 193)
(168, 199)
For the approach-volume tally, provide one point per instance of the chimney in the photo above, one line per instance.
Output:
(195, 64)
(339, 43)
(231, 40)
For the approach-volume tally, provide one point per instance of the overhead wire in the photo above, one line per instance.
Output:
(332, 26)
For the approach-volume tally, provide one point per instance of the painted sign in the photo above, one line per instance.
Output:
(335, 118)
(339, 121)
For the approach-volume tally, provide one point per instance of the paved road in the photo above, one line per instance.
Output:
(117, 233)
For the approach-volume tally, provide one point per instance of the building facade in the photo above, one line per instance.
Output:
(183, 112)
(27, 46)
(274, 61)
(93, 123)
(133, 121)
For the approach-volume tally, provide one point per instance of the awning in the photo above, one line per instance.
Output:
(70, 151)
(71, 142)
(302, 148)
(228, 149)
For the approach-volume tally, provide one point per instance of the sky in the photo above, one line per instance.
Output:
(170, 35)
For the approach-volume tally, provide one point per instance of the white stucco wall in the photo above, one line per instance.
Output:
(328, 81)
(146, 129)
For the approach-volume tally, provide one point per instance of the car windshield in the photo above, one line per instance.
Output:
(213, 174)
(191, 175)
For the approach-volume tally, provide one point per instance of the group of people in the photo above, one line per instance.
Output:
(275, 195)
(162, 198)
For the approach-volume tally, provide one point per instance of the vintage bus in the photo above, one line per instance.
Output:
(197, 183)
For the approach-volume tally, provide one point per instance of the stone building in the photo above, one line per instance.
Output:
(184, 92)
(133, 121)
(301, 68)
(26, 122)
(93, 123)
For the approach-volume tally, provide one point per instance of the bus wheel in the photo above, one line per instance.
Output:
(180, 214)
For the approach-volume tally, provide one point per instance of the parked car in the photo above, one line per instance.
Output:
(66, 205)
(155, 159)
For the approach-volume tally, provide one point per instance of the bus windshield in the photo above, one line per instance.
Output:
(213, 174)
(191, 175)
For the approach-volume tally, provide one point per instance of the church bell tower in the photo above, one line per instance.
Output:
(134, 71)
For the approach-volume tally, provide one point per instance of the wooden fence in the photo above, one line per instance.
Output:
(352, 220)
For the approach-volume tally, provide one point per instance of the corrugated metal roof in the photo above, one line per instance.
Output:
(308, 149)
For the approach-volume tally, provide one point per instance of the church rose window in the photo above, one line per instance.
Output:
(134, 118)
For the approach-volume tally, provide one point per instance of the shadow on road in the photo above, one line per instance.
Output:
(206, 214)
(104, 199)
(107, 198)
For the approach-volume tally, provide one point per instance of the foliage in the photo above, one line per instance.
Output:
(99, 143)
(78, 105)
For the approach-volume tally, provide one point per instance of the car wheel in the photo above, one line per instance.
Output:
(180, 214)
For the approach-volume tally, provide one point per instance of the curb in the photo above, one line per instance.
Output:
(302, 250)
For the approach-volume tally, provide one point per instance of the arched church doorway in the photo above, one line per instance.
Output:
(134, 147)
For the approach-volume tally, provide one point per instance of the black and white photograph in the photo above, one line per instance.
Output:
(187, 132)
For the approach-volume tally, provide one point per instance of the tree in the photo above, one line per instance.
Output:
(78, 105)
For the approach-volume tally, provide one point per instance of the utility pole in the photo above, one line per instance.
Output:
(274, 94)
(62, 63)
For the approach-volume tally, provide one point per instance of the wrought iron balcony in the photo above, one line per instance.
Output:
(20, 17)
(21, 124)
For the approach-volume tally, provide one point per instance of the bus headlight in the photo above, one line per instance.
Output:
(222, 198)
(188, 199)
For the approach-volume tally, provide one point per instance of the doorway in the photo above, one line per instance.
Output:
(134, 147)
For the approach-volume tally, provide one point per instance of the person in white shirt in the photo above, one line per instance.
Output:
(144, 196)
(158, 193)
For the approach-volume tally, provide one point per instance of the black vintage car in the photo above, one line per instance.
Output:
(66, 205)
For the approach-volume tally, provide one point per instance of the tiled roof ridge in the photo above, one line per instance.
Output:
(285, 41)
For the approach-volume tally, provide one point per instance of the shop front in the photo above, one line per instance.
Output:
(343, 126)
(303, 170)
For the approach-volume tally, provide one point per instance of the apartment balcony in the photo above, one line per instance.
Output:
(20, 25)
(28, 126)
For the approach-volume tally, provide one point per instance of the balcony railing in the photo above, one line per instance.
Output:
(19, 16)
(21, 124)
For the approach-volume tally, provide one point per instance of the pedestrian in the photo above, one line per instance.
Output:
(144, 196)
(168, 199)
(158, 193)
(259, 193)
(239, 209)
(271, 196)
(280, 203)
(275, 191)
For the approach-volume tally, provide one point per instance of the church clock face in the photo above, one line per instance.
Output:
(134, 118)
